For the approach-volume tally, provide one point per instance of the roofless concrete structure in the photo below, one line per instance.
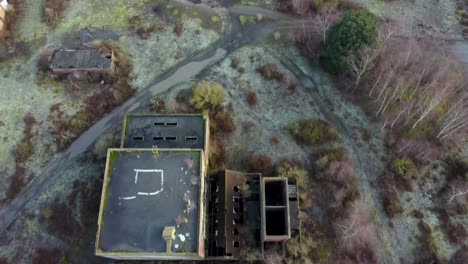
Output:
(159, 203)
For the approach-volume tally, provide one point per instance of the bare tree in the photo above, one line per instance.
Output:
(455, 119)
(388, 30)
(361, 62)
(457, 190)
(326, 18)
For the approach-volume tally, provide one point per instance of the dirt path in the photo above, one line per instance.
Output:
(367, 170)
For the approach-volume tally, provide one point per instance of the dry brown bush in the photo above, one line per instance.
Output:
(221, 121)
(261, 164)
(270, 72)
(53, 11)
(251, 98)
(217, 159)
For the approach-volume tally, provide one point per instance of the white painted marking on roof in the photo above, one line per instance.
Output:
(182, 237)
(146, 193)
(187, 234)
(176, 246)
(128, 198)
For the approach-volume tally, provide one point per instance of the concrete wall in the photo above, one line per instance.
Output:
(2, 18)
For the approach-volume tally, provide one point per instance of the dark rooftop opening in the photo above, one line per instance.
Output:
(158, 138)
(236, 199)
(235, 231)
(274, 193)
(229, 254)
(235, 244)
(137, 138)
(171, 124)
(235, 210)
(236, 188)
(159, 123)
(276, 222)
(191, 138)
(220, 251)
(171, 138)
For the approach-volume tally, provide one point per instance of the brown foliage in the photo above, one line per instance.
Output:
(261, 164)
(217, 157)
(460, 256)
(84, 198)
(221, 122)
(53, 11)
(25, 149)
(17, 183)
(179, 28)
(392, 204)
(62, 222)
(136, 25)
(251, 98)
(418, 214)
(47, 256)
(270, 72)
(234, 62)
(455, 232)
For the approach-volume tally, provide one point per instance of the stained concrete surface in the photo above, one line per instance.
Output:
(165, 131)
(136, 224)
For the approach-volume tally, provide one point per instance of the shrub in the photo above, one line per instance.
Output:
(357, 29)
(207, 95)
(270, 72)
(313, 131)
(216, 155)
(252, 98)
(53, 11)
(261, 164)
(298, 250)
(234, 62)
(402, 167)
(392, 204)
(24, 151)
(223, 122)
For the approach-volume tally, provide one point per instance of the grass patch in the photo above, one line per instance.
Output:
(246, 20)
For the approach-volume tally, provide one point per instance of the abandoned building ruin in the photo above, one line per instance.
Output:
(80, 62)
(158, 201)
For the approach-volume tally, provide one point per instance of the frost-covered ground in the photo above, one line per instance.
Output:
(419, 18)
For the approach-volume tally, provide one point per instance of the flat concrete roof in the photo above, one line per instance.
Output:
(79, 59)
(145, 191)
(164, 131)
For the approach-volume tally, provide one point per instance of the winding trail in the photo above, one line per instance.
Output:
(366, 171)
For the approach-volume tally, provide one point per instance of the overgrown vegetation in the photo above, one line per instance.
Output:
(23, 153)
(116, 90)
(313, 131)
(207, 96)
(261, 164)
